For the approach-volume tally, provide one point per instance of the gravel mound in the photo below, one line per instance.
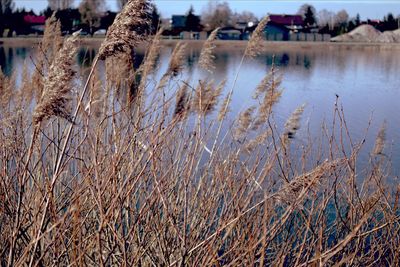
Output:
(363, 33)
(389, 37)
(368, 34)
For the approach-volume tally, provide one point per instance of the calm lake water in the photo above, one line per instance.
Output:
(367, 81)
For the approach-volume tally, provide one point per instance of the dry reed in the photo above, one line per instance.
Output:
(255, 47)
(292, 125)
(57, 84)
(176, 62)
(129, 28)
(123, 188)
(206, 59)
(380, 140)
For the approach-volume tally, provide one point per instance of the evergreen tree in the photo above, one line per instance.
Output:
(309, 17)
(358, 20)
(390, 23)
(192, 21)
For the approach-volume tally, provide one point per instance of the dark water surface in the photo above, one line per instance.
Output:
(366, 80)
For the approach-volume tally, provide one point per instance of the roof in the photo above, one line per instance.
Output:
(32, 19)
(286, 20)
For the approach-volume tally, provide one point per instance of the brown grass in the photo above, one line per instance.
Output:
(140, 185)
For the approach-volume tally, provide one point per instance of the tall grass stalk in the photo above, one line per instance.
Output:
(135, 170)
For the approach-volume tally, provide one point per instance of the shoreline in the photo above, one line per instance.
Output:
(228, 44)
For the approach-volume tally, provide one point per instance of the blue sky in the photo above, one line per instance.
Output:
(367, 8)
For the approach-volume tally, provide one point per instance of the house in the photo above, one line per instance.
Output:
(35, 23)
(279, 27)
(178, 22)
(294, 23)
(276, 32)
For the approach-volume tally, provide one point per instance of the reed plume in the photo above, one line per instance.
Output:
(37, 78)
(292, 125)
(25, 92)
(182, 101)
(7, 88)
(307, 181)
(130, 27)
(149, 64)
(269, 92)
(224, 109)
(176, 62)
(206, 60)
(244, 122)
(254, 47)
(52, 40)
(96, 95)
(57, 84)
(206, 97)
(271, 80)
(2, 79)
(380, 140)
(258, 141)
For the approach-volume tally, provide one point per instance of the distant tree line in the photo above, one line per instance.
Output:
(90, 15)
(340, 22)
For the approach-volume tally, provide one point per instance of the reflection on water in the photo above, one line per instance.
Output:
(9, 56)
(366, 81)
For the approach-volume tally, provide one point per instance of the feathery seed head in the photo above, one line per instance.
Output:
(182, 101)
(224, 109)
(293, 124)
(52, 40)
(206, 97)
(176, 62)
(270, 91)
(131, 26)
(254, 47)
(149, 64)
(244, 121)
(380, 140)
(206, 60)
(308, 181)
(57, 84)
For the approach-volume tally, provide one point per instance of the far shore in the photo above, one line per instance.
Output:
(223, 44)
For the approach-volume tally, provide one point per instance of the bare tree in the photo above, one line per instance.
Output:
(91, 11)
(245, 16)
(6, 6)
(217, 14)
(342, 17)
(60, 4)
(326, 17)
(121, 3)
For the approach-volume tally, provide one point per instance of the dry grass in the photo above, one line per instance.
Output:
(136, 183)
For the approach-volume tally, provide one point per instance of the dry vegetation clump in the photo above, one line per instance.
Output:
(58, 84)
(206, 60)
(153, 184)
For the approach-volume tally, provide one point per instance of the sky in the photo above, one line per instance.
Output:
(367, 8)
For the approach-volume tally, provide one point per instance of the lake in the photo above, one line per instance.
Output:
(365, 77)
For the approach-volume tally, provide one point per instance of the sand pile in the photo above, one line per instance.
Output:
(389, 37)
(368, 34)
(363, 33)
